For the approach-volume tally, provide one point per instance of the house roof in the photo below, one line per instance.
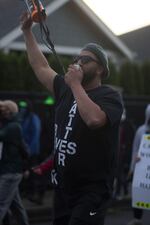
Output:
(71, 23)
(138, 42)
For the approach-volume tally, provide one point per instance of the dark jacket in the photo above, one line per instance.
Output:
(14, 154)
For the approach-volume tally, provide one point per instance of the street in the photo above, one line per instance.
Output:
(124, 216)
(119, 214)
(119, 217)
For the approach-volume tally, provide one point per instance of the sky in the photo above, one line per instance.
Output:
(122, 16)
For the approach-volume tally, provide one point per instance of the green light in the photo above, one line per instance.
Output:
(23, 104)
(49, 101)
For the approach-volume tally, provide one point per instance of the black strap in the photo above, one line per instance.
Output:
(45, 35)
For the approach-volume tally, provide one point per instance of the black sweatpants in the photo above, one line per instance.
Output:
(89, 209)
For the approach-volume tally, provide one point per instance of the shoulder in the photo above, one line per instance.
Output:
(110, 91)
(108, 95)
(141, 130)
(13, 129)
(14, 125)
(105, 91)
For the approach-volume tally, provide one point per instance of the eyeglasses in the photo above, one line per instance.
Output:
(84, 59)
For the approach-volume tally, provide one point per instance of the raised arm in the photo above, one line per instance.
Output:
(37, 60)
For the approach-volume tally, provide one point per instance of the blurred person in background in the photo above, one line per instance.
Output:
(143, 129)
(126, 135)
(13, 156)
(31, 126)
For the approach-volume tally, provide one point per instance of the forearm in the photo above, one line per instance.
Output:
(90, 112)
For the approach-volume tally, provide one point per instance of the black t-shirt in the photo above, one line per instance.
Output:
(14, 151)
(84, 156)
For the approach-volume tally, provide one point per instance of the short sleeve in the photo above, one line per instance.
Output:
(113, 107)
(59, 87)
(111, 103)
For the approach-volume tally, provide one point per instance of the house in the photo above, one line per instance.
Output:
(71, 23)
(138, 42)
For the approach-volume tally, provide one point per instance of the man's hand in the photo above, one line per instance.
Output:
(37, 170)
(26, 174)
(26, 21)
(74, 75)
(137, 158)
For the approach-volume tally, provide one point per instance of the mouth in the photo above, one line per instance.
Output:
(77, 66)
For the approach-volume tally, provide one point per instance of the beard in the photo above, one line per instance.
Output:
(88, 76)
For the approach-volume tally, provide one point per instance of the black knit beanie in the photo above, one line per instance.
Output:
(99, 52)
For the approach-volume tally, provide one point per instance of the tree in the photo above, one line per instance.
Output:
(113, 79)
(17, 74)
(130, 78)
(145, 73)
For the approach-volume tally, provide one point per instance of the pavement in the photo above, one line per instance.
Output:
(40, 212)
(120, 212)
(47, 202)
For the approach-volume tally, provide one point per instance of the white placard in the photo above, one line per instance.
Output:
(141, 178)
(1, 148)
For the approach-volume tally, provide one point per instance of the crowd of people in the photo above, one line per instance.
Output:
(92, 141)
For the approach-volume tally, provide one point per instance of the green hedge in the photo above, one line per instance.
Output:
(17, 75)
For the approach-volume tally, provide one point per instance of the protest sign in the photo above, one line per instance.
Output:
(141, 178)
